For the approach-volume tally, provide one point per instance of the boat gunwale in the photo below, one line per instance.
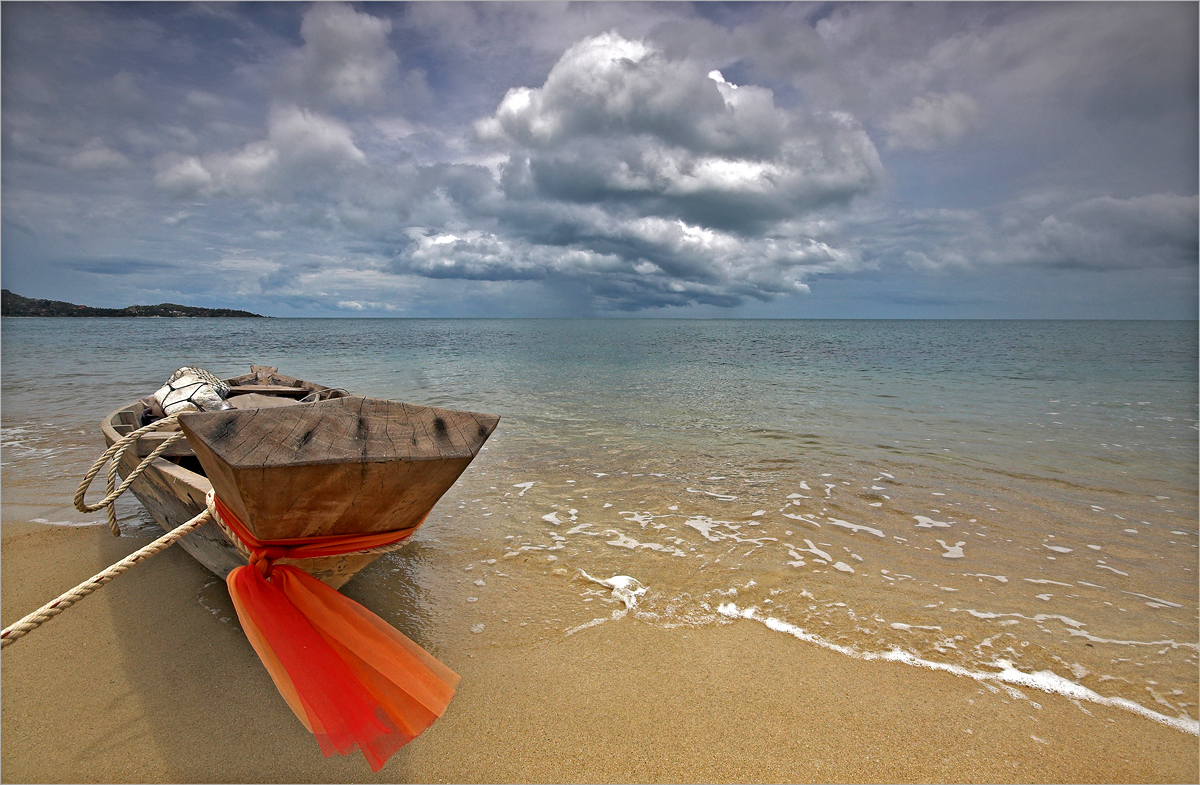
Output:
(467, 452)
(176, 471)
(181, 474)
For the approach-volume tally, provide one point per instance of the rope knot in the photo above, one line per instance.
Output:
(262, 558)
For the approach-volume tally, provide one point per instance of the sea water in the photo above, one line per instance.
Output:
(1011, 501)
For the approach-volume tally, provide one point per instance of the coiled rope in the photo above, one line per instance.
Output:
(114, 454)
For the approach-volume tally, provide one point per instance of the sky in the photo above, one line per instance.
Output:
(708, 160)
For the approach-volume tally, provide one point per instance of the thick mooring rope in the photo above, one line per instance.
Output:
(54, 607)
(115, 454)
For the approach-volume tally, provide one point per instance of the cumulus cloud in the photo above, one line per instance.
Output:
(183, 176)
(345, 59)
(642, 179)
(96, 155)
(634, 263)
(692, 182)
(931, 121)
(1156, 230)
(618, 156)
(303, 150)
(620, 120)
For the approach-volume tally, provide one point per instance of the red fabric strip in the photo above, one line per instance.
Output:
(341, 711)
(309, 547)
(351, 678)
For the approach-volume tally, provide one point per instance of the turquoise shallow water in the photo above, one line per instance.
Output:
(975, 495)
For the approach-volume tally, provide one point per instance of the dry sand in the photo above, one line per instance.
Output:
(142, 683)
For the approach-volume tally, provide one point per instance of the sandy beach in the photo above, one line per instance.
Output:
(143, 683)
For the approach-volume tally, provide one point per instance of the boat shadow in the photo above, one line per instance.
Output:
(210, 708)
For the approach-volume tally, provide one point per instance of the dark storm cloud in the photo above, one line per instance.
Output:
(1157, 231)
(120, 265)
(931, 300)
(389, 158)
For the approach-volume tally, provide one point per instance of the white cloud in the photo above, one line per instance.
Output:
(609, 86)
(617, 156)
(632, 263)
(307, 138)
(1155, 230)
(202, 99)
(183, 176)
(487, 256)
(345, 59)
(690, 183)
(96, 155)
(620, 120)
(931, 121)
(303, 149)
(643, 179)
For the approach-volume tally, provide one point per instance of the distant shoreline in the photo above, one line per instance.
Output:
(15, 305)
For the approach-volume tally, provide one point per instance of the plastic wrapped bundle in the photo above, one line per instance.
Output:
(192, 390)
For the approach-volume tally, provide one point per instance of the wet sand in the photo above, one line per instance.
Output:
(142, 683)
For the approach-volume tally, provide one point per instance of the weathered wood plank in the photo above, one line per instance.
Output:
(174, 495)
(348, 465)
(147, 445)
(353, 428)
(270, 389)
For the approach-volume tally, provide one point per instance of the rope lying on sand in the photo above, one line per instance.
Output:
(114, 453)
(351, 678)
(54, 607)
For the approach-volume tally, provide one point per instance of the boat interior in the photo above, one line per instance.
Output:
(263, 387)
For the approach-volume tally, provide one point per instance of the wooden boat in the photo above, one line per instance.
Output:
(297, 459)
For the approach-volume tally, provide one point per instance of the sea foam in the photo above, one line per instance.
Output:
(1007, 674)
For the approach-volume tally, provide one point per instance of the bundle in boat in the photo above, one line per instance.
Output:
(318, 479)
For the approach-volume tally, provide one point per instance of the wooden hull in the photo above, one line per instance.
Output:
(173, 493)
(346, 466)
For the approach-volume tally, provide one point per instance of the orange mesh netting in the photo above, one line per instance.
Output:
(350, 677)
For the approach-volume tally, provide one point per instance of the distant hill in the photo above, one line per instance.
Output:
(16, 305)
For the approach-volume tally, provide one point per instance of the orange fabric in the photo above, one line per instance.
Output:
(352, 679)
